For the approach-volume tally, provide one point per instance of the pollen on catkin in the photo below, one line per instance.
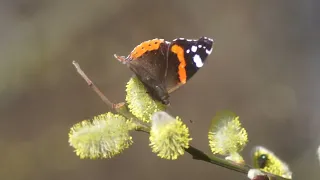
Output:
(266, 160)
(235, 157)
(139, 102)
(103, 137)
(168, 136)
(226, 135)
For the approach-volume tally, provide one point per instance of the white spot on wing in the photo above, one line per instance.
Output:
(210, 39)
(188, 50)
(197, 59)
(194, 48)
(208, 51)
(199, 46)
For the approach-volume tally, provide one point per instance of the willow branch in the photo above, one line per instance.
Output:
(120, 108)
(93, 86)
(196, 154)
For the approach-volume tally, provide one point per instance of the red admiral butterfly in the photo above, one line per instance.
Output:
(164, 66)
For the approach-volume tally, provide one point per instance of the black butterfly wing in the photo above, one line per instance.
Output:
(185, 58)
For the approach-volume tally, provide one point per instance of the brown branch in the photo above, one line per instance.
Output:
(199, 155)
(196, 154)
(120, 108)
(93, 86)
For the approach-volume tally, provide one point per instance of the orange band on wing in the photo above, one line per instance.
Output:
(145, 46)
(182, 66)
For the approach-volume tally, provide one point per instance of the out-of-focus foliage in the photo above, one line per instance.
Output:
(227, 136)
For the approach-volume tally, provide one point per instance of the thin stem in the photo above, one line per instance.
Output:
(93, 86)
(196, 154)
(199, 155)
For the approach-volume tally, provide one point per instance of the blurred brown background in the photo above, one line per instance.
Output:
(264, 67)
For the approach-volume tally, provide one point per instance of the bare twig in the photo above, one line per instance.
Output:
(120, 108)
(196, 154)
(199, 155)
(93, 86)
